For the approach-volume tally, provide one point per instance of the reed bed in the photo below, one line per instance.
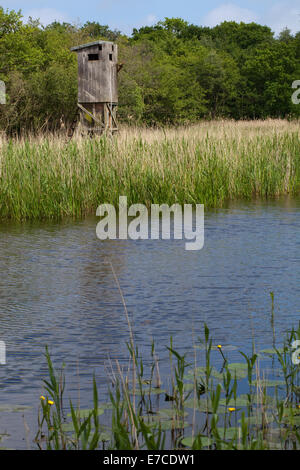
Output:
(49, 177)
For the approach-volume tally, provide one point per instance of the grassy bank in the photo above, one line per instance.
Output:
(211, 163)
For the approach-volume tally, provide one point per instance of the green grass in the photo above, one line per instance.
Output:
(50, 178)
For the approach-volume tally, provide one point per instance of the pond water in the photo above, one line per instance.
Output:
(57, 289)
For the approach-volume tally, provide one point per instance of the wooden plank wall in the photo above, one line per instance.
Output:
(97, 79)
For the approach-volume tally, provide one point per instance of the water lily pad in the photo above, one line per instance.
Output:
(105, 406)
(227, 347)
(267, 400)
(68, 427)
(14, 408)
(146, 390)
(241, 400)
(269, 383)
(170, 413)
(238, 367)
(84, 413)
(167, 425)
(188, 441)
(230, 432)
(166, 419)
(195, 372)
(201, 371)
(257, 419)
(203, 406)
(292, 416)
(271, 351)
(187, 387)
(216, 374)
(104, 436)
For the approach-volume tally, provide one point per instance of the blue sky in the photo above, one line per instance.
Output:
(128, 14)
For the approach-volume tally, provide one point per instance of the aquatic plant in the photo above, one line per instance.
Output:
(203, 409)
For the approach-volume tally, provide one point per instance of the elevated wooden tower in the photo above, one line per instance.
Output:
(97, 86)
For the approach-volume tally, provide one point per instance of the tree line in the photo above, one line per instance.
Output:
(174, 72)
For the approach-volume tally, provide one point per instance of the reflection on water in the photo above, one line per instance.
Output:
(57, 289)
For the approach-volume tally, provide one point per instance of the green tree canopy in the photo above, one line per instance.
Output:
(174, 71)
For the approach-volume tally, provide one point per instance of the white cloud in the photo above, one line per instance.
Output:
(127, 28)
(283, 15)
(150, 19)
(46, 15)
(229, 12)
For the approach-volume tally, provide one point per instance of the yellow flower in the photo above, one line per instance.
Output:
(231, 409)
(298, 406)
(51, 402)
(42, 397)
(219, 346)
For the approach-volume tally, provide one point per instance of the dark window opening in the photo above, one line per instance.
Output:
(93, 56)
(110, 56)
(112, 48)
(100, 47)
